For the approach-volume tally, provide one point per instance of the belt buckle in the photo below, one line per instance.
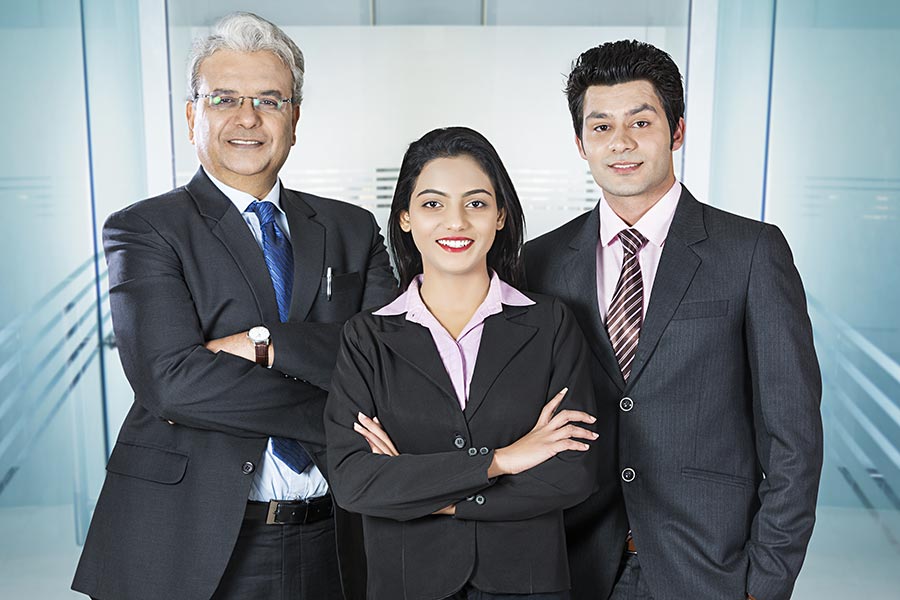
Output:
(273, 512)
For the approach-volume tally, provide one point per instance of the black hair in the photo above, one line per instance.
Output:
(622, 62)
(504, 257)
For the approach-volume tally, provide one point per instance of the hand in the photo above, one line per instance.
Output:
(375, 435)
(447, 510)
(238, 345)
(550, 436)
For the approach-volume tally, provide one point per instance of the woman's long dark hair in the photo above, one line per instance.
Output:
(505, 255)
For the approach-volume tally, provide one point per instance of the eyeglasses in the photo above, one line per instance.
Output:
(222, 102)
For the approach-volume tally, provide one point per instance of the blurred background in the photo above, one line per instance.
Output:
(791, 118)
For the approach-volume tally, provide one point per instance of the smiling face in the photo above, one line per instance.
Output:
(453, 217)
(243, 147)
(626, 141)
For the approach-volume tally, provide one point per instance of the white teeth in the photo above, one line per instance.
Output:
(628, 166)
(245, 142)
(455, 243)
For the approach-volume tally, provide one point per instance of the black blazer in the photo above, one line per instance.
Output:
(184, 268)
(507, 535)
(722, 428)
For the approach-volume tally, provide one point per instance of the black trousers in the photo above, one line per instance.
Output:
(282, 562)
(630, 584)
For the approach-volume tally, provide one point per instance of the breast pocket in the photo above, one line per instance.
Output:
(339, 298)
(701, 310)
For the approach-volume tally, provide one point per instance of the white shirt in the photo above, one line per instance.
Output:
(274, 480)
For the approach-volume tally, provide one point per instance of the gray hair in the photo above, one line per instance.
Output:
(246, 32)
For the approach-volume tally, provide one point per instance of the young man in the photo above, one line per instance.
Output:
(705, 372)
(228, 296)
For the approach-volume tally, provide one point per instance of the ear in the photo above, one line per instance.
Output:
(580, 145)
(295, 118)
(189, 113)
(678, 136)
(501, 219)
(404, 221)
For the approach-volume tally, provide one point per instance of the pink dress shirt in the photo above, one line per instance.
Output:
(458, 355)
(654, 226)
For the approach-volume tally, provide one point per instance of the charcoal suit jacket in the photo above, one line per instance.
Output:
(507, 535)
(184, 268)
(712, 450)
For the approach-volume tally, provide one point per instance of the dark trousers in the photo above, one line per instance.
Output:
(630, 585)
(470, 593)
(282, 562)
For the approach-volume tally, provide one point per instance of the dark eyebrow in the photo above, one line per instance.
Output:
(431, 191)
(632, 112)
(478, 191)
(220, 92)
(271, 93)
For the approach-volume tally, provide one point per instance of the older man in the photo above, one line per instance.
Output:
(228, 295)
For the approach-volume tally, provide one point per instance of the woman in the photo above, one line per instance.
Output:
(442, 423)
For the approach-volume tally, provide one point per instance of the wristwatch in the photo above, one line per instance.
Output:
(259, 335)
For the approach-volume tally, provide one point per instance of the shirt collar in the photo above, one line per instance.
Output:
(499, 293)
(654, 225)
(243, 200)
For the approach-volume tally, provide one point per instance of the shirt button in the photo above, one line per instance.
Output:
(484, 450)
(628, 474)
(479, 499)
(626, 404)
(473, 451)
(459, 442)
(248, 467)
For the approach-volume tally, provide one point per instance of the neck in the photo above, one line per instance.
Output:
(631, 208)
(258, 187)
(450, 296)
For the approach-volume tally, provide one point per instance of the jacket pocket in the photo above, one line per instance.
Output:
(144, 462)
(701, 310)
(715, 477)
(340, 283)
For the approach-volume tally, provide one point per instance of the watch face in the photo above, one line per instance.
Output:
(258, 335)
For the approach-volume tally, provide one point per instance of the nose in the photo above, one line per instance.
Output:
(456, 218)
(622, 141)
(246, 115)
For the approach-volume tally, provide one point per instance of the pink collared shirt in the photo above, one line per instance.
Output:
(458, 355)
(654, 226)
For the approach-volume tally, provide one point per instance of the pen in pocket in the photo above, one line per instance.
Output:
(328, 283)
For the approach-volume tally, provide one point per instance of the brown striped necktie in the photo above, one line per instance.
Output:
(626, 311)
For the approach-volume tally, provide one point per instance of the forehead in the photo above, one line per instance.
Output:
(622, 97)
(245, 72)
(458, 172)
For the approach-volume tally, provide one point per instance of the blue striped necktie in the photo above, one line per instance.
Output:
(280, 261)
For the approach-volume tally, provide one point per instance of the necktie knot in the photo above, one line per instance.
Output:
(264, 210)
(632, 240)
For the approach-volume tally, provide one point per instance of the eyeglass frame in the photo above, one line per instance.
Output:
(254, 104)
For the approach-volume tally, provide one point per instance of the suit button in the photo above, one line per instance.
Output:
(626, 404)
(248, 467)
(479, 499)
(628, 474)
(473, 451)
(459, 442)
(484, 450)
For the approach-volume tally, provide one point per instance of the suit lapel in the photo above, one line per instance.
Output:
(308, 242)
(677, 266)
(413, 343)
(581, 279)
(501, 340)
(227, 224)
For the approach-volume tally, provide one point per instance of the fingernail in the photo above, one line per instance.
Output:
(564, 390)
(593, 418)
(586, 447)
(595, 435)
(361, 416)
(357, 426)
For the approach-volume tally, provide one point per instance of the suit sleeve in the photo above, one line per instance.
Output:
(308, 350)
(787, 390)
(404, 487)
(161, 345)
(569, 477)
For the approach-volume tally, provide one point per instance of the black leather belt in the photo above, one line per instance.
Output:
(290, 512)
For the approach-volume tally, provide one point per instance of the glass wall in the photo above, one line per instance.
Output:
(817, 153)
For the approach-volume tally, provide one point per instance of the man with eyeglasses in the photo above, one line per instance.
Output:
(228, 296)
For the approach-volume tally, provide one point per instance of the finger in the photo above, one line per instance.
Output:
(571, 416)
(376, 429)
(550, 407)
(569, 444)
(387, 438)
(575, 432)
(373, 440)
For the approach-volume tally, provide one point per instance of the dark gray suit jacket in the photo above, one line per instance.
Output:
(184, 268)
(508, 534)
(724, 433)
